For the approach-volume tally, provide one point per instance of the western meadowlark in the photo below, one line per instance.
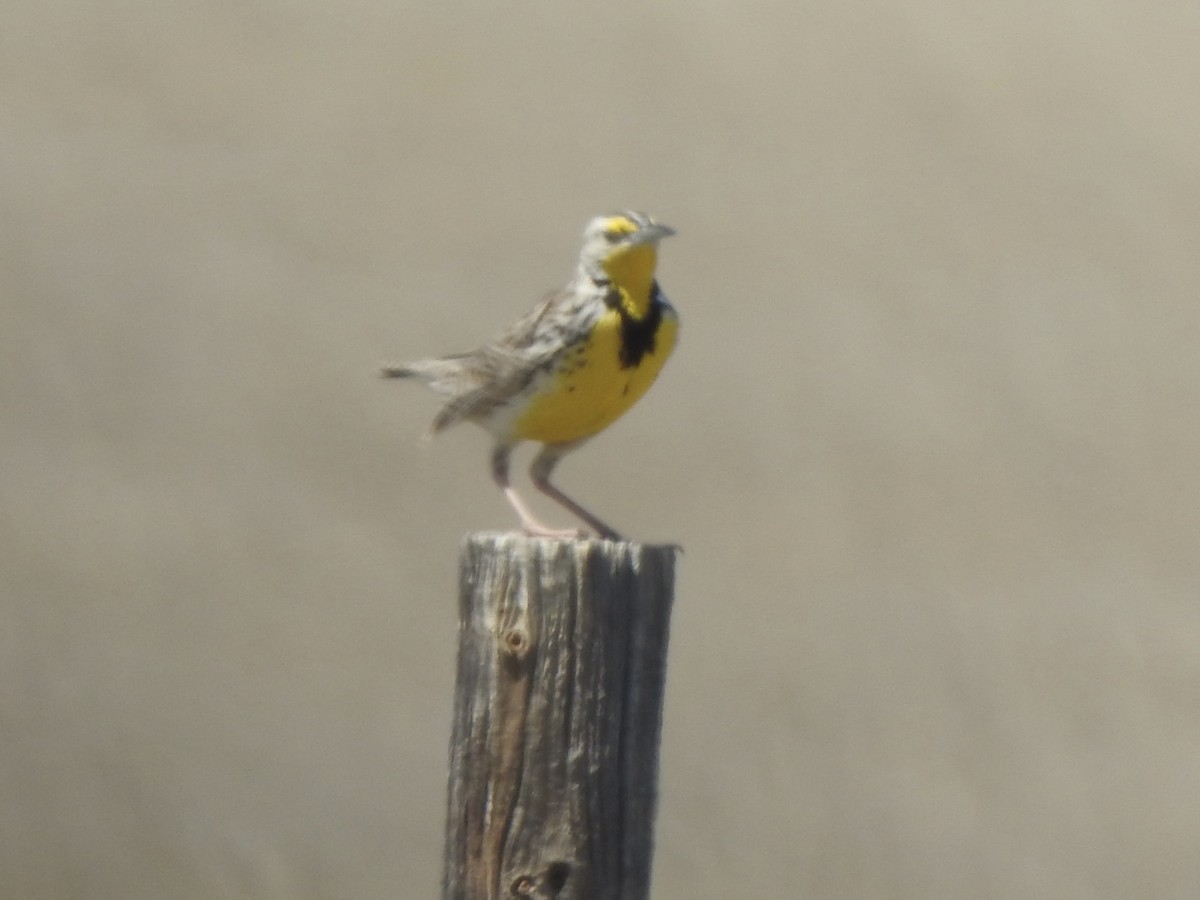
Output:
(570, 367)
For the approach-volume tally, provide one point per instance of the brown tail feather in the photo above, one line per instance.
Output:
(396, 372)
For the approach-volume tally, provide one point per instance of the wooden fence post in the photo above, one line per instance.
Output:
(557, 716)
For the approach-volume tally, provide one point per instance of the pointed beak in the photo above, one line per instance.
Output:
(651, 233)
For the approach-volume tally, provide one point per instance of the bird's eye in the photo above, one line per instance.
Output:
(612, 236)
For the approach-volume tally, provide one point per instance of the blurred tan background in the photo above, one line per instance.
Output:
(930, 439)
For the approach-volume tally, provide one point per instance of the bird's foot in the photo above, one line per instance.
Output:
(558, 534)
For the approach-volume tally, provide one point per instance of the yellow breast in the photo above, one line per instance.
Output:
(592, 388)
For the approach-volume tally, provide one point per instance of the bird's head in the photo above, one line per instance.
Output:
(623, 248)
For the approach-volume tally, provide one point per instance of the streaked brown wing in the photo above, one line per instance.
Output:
(502, 368)
(523, 332)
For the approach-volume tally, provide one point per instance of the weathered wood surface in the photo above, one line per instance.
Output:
(558, 712)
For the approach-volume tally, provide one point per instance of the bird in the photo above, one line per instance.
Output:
(567, 369)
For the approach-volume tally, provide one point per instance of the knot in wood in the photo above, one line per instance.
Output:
(545, 885)
(516, 642)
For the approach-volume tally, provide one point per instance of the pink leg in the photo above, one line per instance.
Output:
(529, 522)
(543, 465)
